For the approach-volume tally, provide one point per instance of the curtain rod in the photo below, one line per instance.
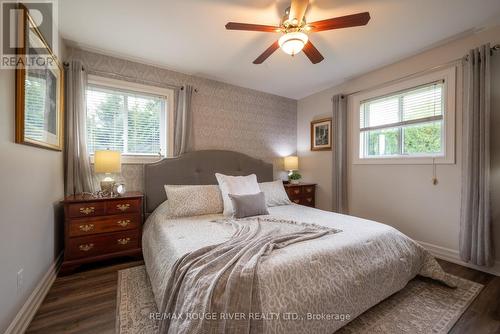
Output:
(495, 47)
(411, 75)
(127, 78)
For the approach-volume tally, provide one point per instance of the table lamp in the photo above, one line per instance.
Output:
(107, 162)
(291, 165)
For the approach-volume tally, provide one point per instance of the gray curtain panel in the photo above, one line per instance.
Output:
(475, 223)
(183, 121)
(78, 176)
(339, 150)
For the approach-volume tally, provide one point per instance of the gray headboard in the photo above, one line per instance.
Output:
(198, 167)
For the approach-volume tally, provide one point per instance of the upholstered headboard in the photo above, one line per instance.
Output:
(198, 167)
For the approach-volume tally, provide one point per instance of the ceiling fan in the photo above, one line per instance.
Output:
(295, 30)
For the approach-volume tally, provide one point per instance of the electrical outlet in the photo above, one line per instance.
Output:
(20, 280)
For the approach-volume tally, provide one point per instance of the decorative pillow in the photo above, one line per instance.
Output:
(275, 193)
(249, 205)
(187, 200)
(236, 185)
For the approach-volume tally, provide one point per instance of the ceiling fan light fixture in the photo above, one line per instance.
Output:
(293, 42)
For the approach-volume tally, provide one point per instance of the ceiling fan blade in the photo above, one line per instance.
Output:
(312, 53)
(251, 27)
(354, 20)
(298, 10)
(269, 51)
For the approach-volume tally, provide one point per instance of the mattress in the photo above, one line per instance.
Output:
(314, 286)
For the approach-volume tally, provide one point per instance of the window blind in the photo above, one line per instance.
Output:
(408, 122)
(130, 122)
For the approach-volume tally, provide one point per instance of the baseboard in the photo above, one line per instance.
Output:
(452, 255)
(27, 312)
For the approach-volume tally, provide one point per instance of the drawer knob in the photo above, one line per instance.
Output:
(86, 247)
(87, 227)
(309, 199)
(297, 201)
(309, 190)
(296, 191)
(87, 211)
(123, 241)
(123, 207)
(124, 223)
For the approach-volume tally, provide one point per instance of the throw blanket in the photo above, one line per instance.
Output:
(213, 289)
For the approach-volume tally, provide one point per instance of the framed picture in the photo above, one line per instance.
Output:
(321, 135)
(39, 90)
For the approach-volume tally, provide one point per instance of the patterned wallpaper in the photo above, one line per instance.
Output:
(224, 116)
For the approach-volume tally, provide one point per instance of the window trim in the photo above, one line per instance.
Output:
(448, 75)
(167, 93)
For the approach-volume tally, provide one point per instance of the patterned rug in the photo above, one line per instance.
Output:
(423, 306)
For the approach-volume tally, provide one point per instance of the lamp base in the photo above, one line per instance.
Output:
(107, 186)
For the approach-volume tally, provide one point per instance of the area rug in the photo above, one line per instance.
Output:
(423, 306)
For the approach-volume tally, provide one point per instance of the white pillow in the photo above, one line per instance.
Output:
(193, 200)
(236, 185)
(275, 193)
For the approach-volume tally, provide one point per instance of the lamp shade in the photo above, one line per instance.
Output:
(107, 161)
(291, 163)
(293, 42)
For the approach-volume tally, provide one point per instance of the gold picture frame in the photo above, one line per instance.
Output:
(321, 134)
(39, 91)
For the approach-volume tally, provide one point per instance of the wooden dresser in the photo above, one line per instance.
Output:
(302, 193)
(101, 228)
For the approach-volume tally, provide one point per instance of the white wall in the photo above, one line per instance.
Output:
(31, 185)
(399, 195)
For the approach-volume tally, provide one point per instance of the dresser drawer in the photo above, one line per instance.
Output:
(87, 209)
(102, 244)
(294, 192)
(123, 206)
(308, 190)
(304, 200)
(96, 225)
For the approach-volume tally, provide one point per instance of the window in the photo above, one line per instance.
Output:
(406, 123)
(412, 121)
(129, 118)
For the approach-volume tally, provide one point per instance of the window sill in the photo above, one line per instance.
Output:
(404, 161)
(136, 159)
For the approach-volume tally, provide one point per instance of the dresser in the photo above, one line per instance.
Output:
(101, 228)
(302, 193)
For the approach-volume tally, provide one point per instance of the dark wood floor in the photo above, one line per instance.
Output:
(85, 302)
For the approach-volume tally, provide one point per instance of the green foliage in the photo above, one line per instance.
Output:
(423, 139)
(391, 138)
(295, 176)
(106, 127)
(419, 139)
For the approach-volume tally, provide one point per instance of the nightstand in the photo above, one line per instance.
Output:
(302, 193)
(101, 228)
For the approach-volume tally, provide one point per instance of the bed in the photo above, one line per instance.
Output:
(314, 286)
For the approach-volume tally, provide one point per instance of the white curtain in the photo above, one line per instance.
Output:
(78, 176)
(339, 150)
(475, 223)
(183, 121)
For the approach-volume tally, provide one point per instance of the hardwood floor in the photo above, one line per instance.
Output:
(86, 302)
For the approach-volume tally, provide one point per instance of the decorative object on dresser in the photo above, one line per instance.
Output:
(302, 193)
(321, 135)
(292, 165)
(107, 162)
(101, 228)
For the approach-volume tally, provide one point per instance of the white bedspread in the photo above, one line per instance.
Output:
(314, 286)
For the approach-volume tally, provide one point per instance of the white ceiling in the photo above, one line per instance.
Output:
(189, 36)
